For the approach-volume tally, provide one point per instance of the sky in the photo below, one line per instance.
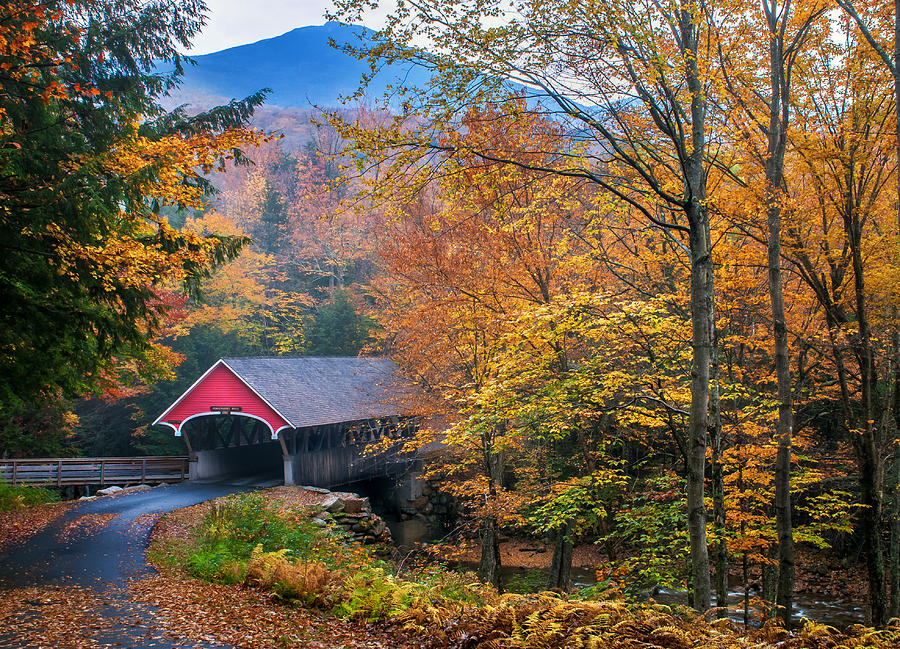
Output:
(237, 22)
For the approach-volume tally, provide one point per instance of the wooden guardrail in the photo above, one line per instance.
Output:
(94, 470)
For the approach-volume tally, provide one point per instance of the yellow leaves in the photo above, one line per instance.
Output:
(176, 159)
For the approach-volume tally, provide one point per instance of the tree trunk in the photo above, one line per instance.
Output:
(717, 476)
(769, 585)
(785, 424)
(561, 564)
(894, 552)
(864, 435)
(870, 527)
(489, 566)
(702, 311)
(779, 114)
(701, 301)
(895, 532)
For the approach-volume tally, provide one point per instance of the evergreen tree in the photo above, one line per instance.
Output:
(83, 140)
(337, 329)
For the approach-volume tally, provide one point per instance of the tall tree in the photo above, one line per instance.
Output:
(632, 81)
(844, 256)
(873, 21)
(762, 96)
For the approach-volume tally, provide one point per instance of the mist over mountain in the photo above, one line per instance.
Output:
(300, 67)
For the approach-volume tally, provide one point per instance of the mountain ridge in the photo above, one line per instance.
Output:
(300, 67)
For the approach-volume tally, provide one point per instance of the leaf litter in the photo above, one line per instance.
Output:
(84, 525)
(19, 525)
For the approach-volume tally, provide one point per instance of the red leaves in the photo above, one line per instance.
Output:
(17, 526)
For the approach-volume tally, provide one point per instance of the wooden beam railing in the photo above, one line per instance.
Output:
(94, 470)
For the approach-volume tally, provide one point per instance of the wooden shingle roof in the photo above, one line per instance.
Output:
(289, 393)
(313, 391)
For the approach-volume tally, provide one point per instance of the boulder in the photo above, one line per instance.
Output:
(356, 505)
(138, 487)
(109, 491)
(333, 504)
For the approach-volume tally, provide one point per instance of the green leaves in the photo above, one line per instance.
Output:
(578, 505)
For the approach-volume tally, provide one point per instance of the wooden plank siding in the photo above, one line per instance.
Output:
(94, 470)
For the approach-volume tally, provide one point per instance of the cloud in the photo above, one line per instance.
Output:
(238, 22)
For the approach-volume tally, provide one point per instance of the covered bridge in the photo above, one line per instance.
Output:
(310, 418)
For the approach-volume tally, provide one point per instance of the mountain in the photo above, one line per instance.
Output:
(300, 67)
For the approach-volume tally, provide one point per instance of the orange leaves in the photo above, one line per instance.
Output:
(16, 526)
(32, 42)
(174, 160)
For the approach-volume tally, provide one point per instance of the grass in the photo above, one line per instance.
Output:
(252, 540)
(13, 497)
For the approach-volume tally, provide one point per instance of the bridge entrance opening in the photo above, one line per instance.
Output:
(232, 445)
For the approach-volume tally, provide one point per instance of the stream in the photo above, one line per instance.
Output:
(824, 609)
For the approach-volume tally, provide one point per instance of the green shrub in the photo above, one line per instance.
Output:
(249, 539)
(20, 496)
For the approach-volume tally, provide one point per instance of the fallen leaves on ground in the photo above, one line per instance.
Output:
(518, 553)
(143, 523)
(44, 617)
(83, 526)
(289, 496)
(248, 618)
(17, 526)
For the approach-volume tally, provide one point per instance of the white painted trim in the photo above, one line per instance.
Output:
(273, 433)
(185, 393)
(290, 423)
(221, 361)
